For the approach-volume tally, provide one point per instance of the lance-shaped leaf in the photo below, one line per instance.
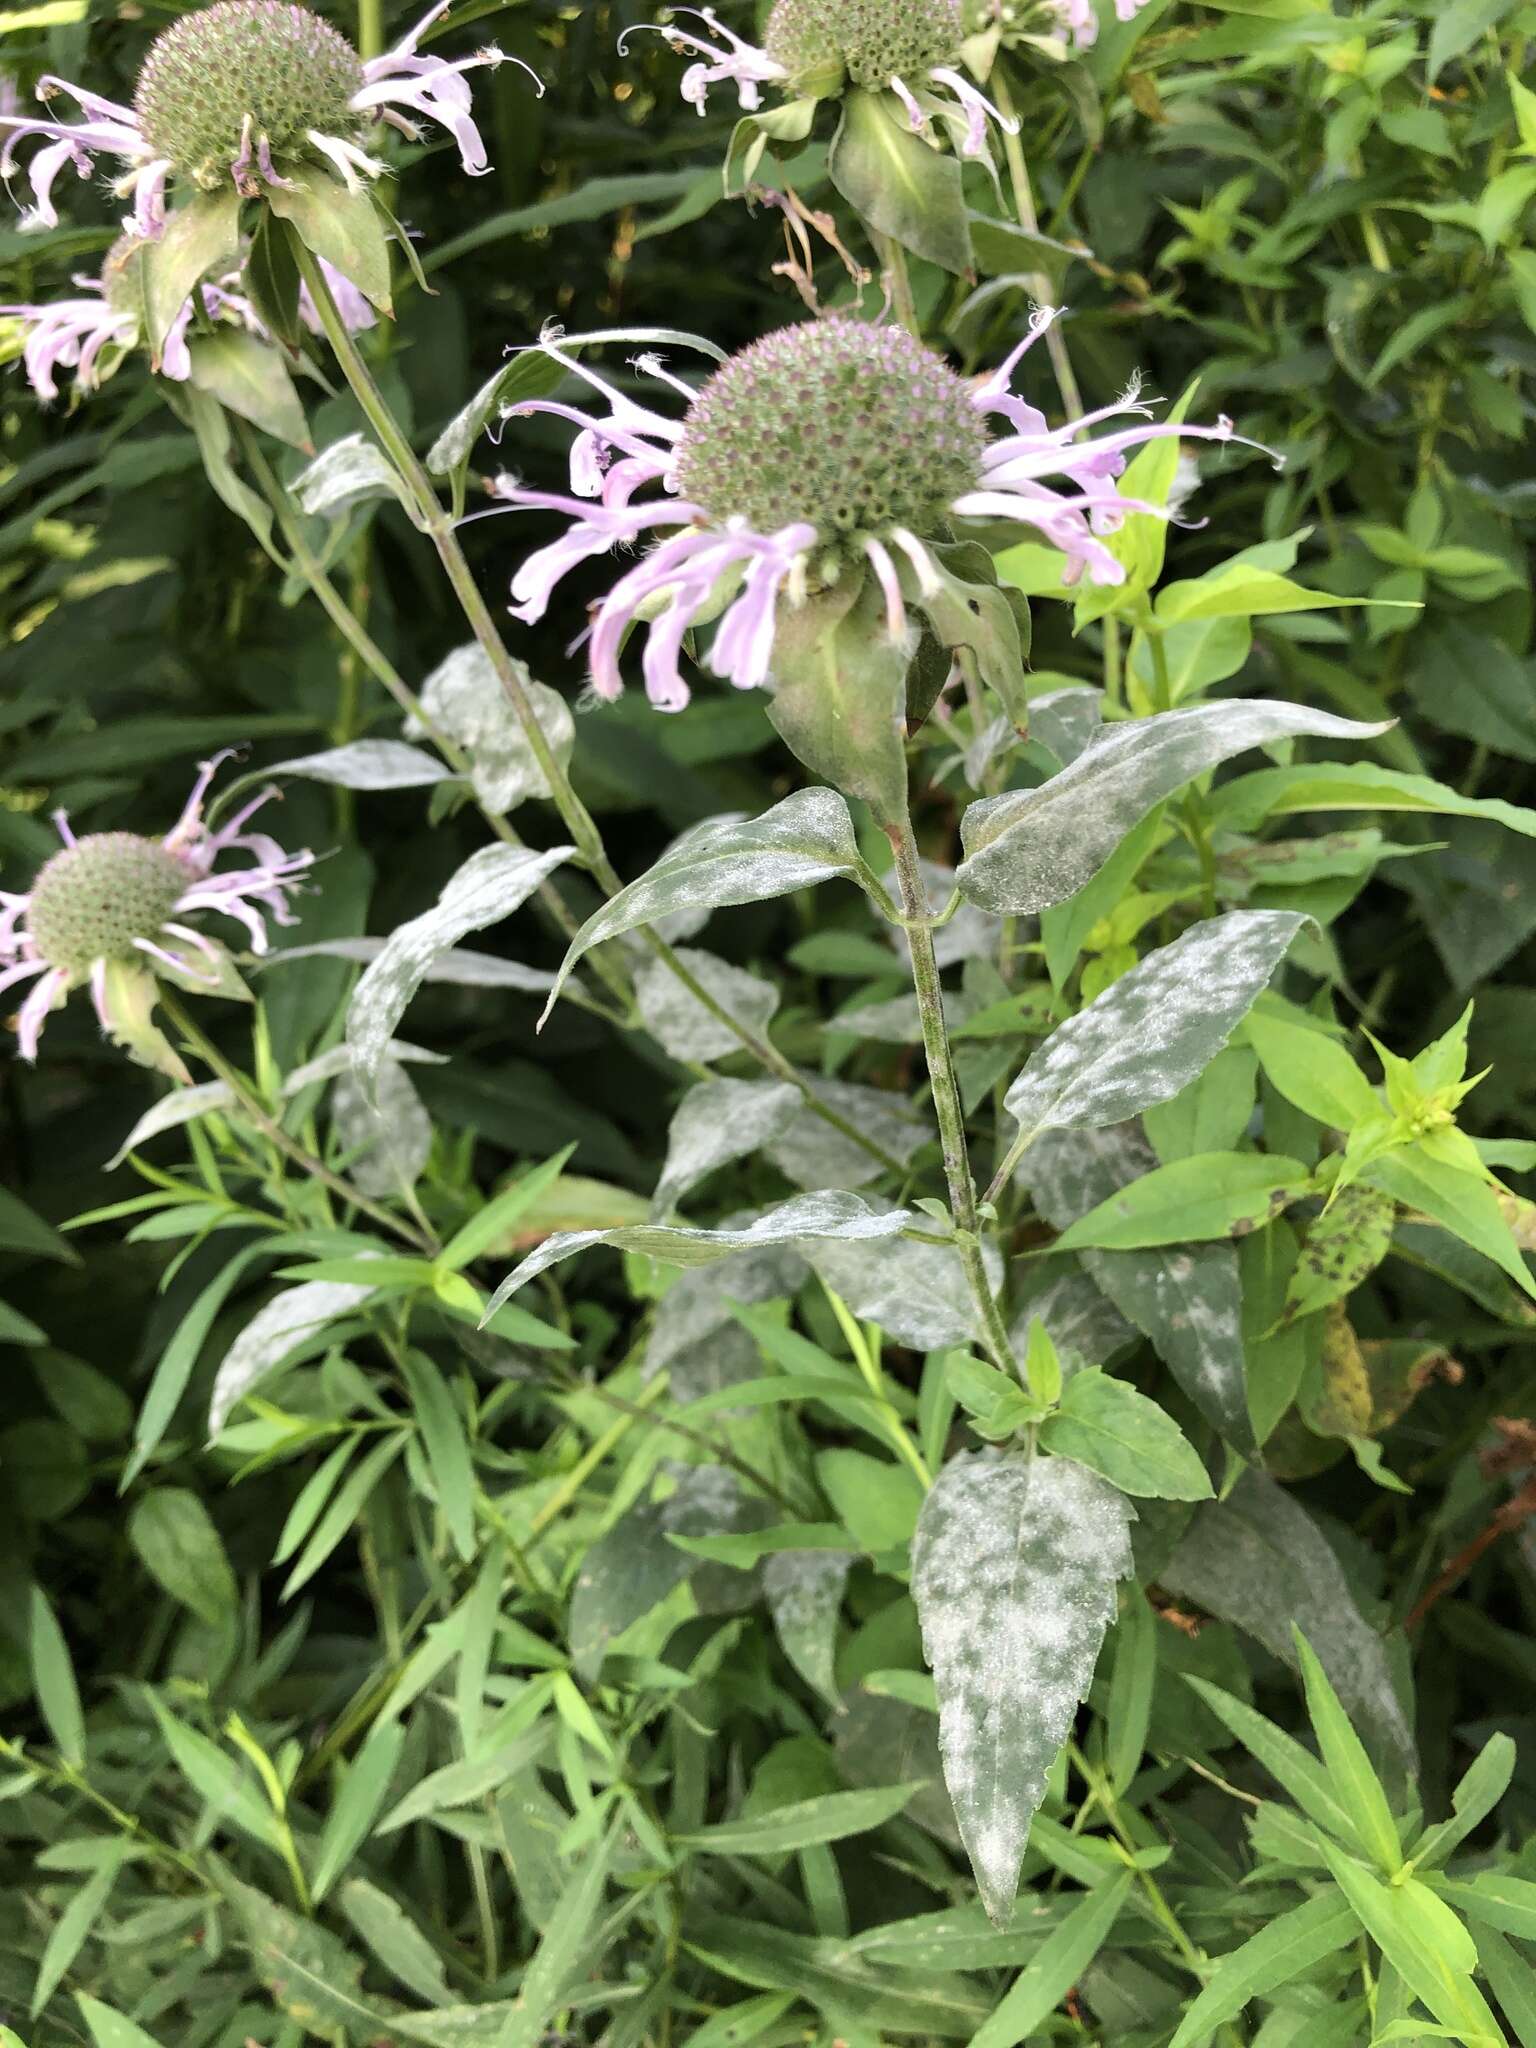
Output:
(490, 886)
(831, 1214)
(917, 1293)
(1030, 848)
(804, 1590)
(684, 1025)
(367, 764)
(460, 966)
(288, 1320)
(716, 1122)
(1152, 1031)
(1014, 1567)
(806, 839)
(388, 1141)
(352, 471)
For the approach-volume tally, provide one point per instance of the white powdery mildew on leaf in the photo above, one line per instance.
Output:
(1081, 1321)
(1067, 721)
(388, 1141)
(459, 966)
(1030, 848)
(1152, 1031)
(804, 1590)
(830, 1214)
(806, 839)
(1188, 1301)
(687, 1028)
(367, 764)
(286, 1321)
(916, 1292)
(350, 472)
(815, 1154)
(716, 1122)
(694, 1325)
(490, 886)
(463, 697)
(1014, 1567)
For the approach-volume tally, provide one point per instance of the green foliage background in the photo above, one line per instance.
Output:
(1323, 215)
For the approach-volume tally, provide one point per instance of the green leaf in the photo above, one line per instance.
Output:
(356, 1805)
(1312, 1071)
(1425, 1943)
(1478, 1792)
(110, 2028)
(1513, 1981)
(1292, 1767)
(22, 1230)
(1130, 1441)
(75, 1925)
(1352, 786)
(1503, 1901)
(1343, 1247)
(53, 1679)
(560, 1953)
(219, 1782)
(831, 1818)
(1132, 1683)
(1282, 1953)
(340, 1518)
(313, 1978)
(840, 694)
(495, 1219)
(1220, 1194)
(342, 228)
(395, 1939)
(201, 237)
(441, 1421)
(1064, 1955)
(898, 184)
(1460, 1202)
(1238, 590)
(179, 1546)
(1030, 848)
(1348, 1767)
(1014, 1567)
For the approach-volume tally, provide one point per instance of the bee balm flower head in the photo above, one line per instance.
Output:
(830, 450)
(246, 93)
(108, 912)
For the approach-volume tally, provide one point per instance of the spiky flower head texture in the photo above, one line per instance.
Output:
(836, 424)
(96, 900)
(243, 67)
(874, 41)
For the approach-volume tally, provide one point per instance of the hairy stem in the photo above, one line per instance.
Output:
(946, 1089)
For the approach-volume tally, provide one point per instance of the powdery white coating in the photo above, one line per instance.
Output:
(367, 764)
(463, 698)
(1083, 1324)
(687, 1028)
(716, 1122)
(831, 1214)
(1155, 1029)
(459, 967)
(1067, 721)
(1028, 849)
(1258, 1560)
(695, 1311)
(1188, 1303)
(352, 471)
(634, 1567)
(273, 1332)
(490, 886)
(815, 1154)
(1014, 1567)
(804, 1590)
(806, 839)
(917, 1293)
(388, 1141)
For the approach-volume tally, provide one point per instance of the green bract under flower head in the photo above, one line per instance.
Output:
(874, 41)
(121, 285)
(95, 899)
(228, 76)
(848, 428)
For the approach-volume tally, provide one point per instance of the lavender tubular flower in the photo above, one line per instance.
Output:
(246, 92)
(108, 912)
(828, 451)
(812, 47)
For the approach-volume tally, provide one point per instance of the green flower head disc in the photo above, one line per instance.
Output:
(874, 41)
(93, 900)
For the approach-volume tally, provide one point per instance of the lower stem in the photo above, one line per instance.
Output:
(946, 1090)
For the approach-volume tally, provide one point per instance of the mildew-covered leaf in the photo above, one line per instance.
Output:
(916, 1292)
(350, 472)
(634, 1567)
(716, 1122)
(1079, 1318)
(804, 1589)
(815, 1154)
(1030, 848)
(389, 1138)
(463, 698)
(687, 1028)
(1259, 1561)
(696, 1313)
(367, 764)
(1014, 1568)
(806, 839)
(830, 1214)
(1152, 1031)
(490, 886)
(459, 966)
(1188, 1302)
(288, 1320)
